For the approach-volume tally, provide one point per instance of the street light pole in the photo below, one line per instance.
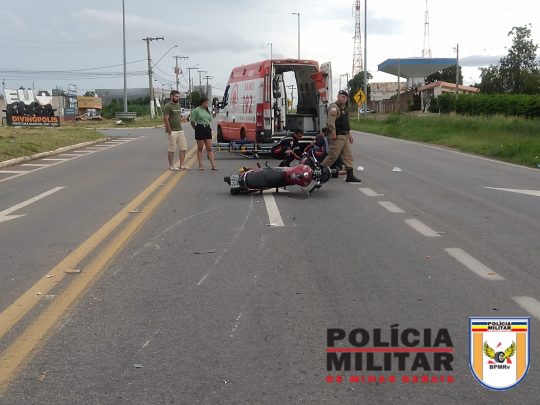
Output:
(200, 81)
(298, 14)
(365, 57)
(271, 46)
(124, 48)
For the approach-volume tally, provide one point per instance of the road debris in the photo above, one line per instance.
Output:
(397, 170)
(134, 211)
(73, 271)
(360, 168)
(203, 252)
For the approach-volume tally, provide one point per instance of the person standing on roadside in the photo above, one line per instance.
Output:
(173, 127)
(200, 121)
(340, 135)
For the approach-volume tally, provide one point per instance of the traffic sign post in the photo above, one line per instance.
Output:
(360, 98)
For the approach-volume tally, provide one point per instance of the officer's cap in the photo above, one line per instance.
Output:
(343, 93)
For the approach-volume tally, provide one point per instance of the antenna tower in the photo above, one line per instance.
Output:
(358, 62)
(426, 51)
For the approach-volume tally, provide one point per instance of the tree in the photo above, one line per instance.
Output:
(357, 83)
(195, 98)
(519, 71)
(446, 75)
(90, 94)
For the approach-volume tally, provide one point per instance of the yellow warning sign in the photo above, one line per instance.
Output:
(360, 97)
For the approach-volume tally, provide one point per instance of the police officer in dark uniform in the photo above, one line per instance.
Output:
(340, 138)
(288, 148)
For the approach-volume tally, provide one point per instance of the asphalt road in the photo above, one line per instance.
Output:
(206, 303)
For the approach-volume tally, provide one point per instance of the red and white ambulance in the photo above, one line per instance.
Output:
(255, 106)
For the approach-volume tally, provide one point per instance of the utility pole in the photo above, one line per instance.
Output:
(340, 76)
(200, 81)
(177, 69)
(124, 51)
(189, 69)
(298, 15)
(150, 87)
(457, 72)
(207, 78)
(293, 88)
(365, 58)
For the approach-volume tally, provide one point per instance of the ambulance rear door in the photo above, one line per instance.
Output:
(326, 68)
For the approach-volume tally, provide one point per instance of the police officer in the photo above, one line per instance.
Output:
(340, 138)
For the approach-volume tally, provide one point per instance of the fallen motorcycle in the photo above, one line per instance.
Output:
(265, 178)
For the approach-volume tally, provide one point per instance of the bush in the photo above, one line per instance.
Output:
(141, 106)
(519, 105)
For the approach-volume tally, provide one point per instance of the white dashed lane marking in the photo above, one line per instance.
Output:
(369, 192)
(422, 228)
(391, 207)
(473, 265)
(529, 304)
(274, 217)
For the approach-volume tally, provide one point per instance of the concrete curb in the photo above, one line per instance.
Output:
(126, 128)
(22, 159)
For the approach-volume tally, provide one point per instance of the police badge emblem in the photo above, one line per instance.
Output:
(499, 351)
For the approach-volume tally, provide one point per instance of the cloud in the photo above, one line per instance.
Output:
(10, 22)
(383, 26)
(479, 60)
(101, 25)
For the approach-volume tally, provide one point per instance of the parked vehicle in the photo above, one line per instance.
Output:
(255, 106)
(185, 113)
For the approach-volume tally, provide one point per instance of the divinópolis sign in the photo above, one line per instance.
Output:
(26, 110)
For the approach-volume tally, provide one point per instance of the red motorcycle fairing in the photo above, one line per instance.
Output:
(300, 175)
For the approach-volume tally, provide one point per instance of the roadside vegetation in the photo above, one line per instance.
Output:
(18, 142)
(515, 140)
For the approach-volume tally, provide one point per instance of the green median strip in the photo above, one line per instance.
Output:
(515, 140)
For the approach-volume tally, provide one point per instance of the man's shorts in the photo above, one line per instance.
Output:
(177, 137)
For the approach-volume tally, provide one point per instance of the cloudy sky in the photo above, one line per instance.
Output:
(55, 43)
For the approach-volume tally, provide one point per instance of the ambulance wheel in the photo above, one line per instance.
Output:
(243, 134)
(220, 137)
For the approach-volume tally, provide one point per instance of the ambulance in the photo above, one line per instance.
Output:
(257, 104)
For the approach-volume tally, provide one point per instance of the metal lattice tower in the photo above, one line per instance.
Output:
(426, 51)
(358, 61)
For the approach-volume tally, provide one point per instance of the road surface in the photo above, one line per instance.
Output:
(125, 283)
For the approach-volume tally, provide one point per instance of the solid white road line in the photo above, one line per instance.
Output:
(34, 164)
(13, 171)
(274, 217)
(422, 228)
(54, 160)
(473, 265)
(369, 192)
(390, 206)
(5, 214)
(530, 305)
(535, 193)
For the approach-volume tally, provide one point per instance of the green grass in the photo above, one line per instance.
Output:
(17, 142)
(515, 140)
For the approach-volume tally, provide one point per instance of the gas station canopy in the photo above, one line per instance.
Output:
(415, 67)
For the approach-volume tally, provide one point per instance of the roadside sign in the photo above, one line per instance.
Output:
(360, 97)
